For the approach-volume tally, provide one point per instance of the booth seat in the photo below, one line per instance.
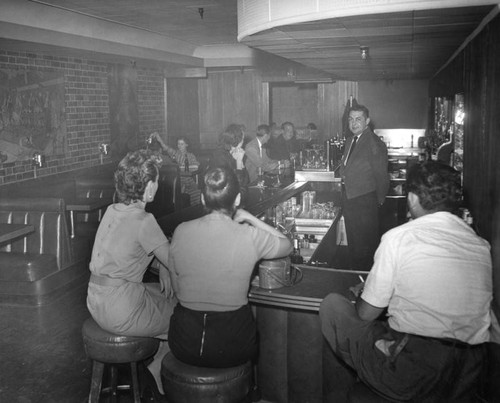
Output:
(92, 187)
(38, 268)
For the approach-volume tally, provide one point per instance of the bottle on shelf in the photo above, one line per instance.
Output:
(305, 241)
(296, 257)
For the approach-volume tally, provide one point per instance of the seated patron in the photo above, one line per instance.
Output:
(290, 136)
(434, 277)
(257, 161)
(187, 163)
(127, 240)
(212, 259)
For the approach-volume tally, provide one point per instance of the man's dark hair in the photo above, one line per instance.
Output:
(360, 108)
(437, 185)
(263, 130)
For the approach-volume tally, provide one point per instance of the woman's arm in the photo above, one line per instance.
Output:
(162, 253)
(169, 150)
(285, 246)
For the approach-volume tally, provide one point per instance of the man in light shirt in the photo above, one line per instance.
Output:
(434, 277)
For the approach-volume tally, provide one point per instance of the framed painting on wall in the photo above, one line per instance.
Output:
(32, 114)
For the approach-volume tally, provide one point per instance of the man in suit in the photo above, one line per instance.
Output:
(366, 181)
(256, 156)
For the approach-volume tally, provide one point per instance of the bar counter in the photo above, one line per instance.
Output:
(294, 360)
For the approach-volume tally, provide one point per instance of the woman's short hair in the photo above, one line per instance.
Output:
(184, 139)
(227, 140)
(220, 189)
(437, 185)
(134, 172)
(232, 136)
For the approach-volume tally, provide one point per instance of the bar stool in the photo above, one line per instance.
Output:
(103, 347)
(185, 383)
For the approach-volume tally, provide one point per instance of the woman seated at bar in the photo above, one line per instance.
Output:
(187, 163)
(212, 259)
(127, 240)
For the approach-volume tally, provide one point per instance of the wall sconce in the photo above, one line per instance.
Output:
(291, 73)
(37, 161)
(104, 150)
(365, 50)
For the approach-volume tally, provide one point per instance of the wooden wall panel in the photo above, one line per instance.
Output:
(294, 103)
(182, 111)
(228, 97)
(479, 68)
(332, 100)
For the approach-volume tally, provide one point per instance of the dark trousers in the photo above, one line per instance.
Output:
(362, 229)
(213, 339)
(415, 369)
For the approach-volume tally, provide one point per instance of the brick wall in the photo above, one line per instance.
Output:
(151, 102)
(87, 110)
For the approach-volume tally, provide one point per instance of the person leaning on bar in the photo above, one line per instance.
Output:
(212, 259)
(127, 240)
(434, 276)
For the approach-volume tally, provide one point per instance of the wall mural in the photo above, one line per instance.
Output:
(32, 114)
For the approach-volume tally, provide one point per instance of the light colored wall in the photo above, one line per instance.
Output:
(396, 104)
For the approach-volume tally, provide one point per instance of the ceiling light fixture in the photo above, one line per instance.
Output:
(364, 52)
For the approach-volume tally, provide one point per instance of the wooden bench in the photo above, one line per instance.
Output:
(38, 268)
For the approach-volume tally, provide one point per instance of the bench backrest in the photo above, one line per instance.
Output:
(48, 216)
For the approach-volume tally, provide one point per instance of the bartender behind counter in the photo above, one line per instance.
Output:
(366, 181)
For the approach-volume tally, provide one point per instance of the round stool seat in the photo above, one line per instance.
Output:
(107, 347)
(185, 383)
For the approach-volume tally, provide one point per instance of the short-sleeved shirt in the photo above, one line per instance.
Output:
(213, 258)
(435, 276)
(125, 241)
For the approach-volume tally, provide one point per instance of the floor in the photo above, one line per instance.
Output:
(42, 358)
(42, 354)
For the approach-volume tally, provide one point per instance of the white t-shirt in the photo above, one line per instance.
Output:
(435, 276)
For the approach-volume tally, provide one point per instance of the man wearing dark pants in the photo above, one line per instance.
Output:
(366, 182)
(434, 277)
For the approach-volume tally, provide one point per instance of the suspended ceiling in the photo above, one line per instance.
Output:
(204, 33)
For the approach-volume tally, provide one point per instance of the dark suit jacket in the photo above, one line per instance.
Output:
(366, 171)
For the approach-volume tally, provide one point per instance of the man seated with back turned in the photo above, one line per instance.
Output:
(434, 276)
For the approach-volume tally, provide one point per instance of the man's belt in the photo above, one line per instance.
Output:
(107, 281)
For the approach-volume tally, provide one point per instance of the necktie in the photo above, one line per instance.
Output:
(351, 149)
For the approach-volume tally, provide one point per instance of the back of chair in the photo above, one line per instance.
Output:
(48, 216)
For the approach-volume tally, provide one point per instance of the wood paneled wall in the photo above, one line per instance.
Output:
(229, 97)
(332, 100)
(243, 97)
(183, 111)
(477, 71)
